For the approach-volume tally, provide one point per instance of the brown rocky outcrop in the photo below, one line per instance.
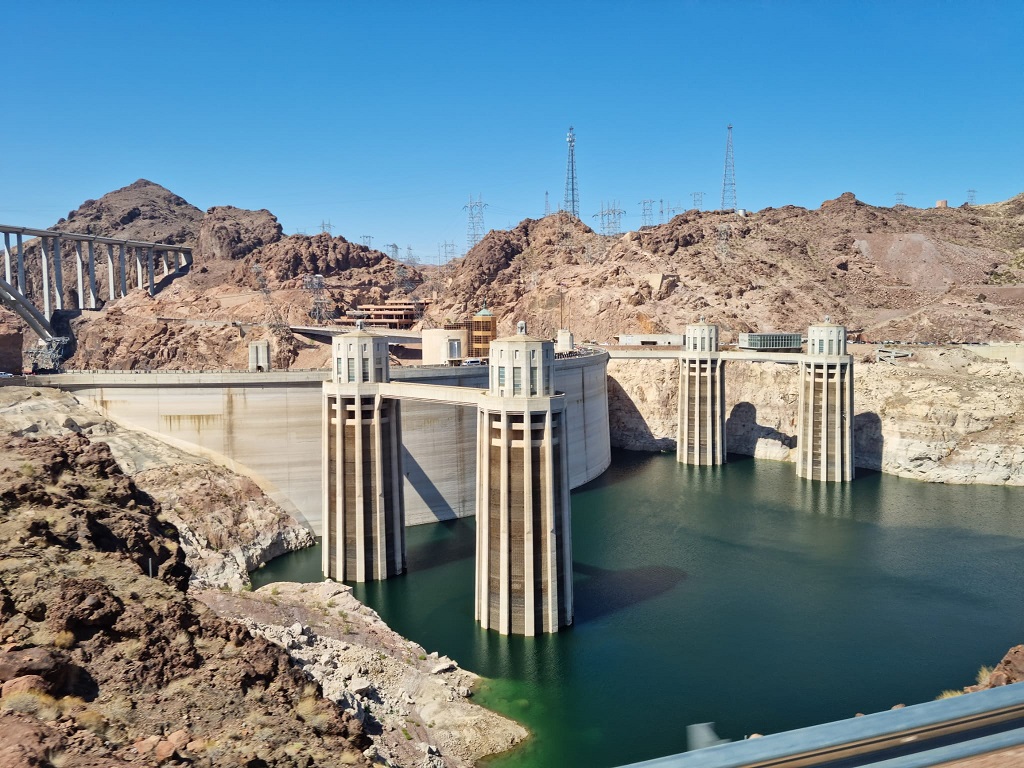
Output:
(231, 233)
(127, 655)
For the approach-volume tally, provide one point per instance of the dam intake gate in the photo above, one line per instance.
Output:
(523, 568)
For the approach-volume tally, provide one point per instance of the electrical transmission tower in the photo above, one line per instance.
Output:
(274, 321)
(674, 210)
(611, 218)
(899, 197)
(320, 302)
(722, 246)
(572, 189)
(410, 257)
(325, 226)
(729, 178)
(547, 205)
(698, 199)
(972, 196)
(475, 227)
(646, 213)
(367, 240)
(445, 252)
(391, 249)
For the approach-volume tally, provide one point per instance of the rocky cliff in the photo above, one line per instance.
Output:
(105, 661)
(227, 526)
(942, 415)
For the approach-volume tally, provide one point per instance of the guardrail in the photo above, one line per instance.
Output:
(918, 735)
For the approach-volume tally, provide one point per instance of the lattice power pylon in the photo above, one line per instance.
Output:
(391, 249)
(475, 226)
(320, 310)
(647, 213)
(274, 321)
(611, 218)
(729, 177)
(698, 200)
(572, 188)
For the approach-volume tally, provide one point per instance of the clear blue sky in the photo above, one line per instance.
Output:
(384, 117)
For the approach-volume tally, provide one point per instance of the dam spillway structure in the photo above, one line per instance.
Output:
(364, 513)
(825, 419)
(701, 431)
(524, 536)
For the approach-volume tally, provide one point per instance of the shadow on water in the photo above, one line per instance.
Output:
(451, 541)
(605, 591)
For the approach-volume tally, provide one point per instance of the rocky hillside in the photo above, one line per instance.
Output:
(904, 273)
(99, 644)
(246, 284)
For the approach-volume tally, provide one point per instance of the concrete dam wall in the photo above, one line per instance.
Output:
(268, 426)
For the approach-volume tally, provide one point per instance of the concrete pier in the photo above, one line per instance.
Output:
(524, 533)
(701, 431)
(825, 419)
(363, 516)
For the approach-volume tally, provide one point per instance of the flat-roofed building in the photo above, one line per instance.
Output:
(771, 342)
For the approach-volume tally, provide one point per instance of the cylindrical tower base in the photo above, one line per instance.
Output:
(364, 525)
(524, 537)
(701, 435)
(825, 421)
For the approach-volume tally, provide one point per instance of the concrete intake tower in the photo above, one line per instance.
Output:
(524, 538)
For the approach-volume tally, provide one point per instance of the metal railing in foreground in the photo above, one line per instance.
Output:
(913, 737)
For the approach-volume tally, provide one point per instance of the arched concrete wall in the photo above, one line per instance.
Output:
(268, 426)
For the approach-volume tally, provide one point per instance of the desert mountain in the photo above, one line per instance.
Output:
(940, 274)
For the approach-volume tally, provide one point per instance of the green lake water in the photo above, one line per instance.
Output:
(740, 595)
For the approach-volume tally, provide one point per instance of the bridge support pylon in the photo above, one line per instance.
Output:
(825, 420)
(701, 432)
(523, 519)
(364, 510)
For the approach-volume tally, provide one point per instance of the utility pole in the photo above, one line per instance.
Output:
(572, 190)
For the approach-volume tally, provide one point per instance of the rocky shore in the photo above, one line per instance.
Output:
(106, 660)
(418, 702)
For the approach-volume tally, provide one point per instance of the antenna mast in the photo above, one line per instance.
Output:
(572, 190)
(729, 178)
